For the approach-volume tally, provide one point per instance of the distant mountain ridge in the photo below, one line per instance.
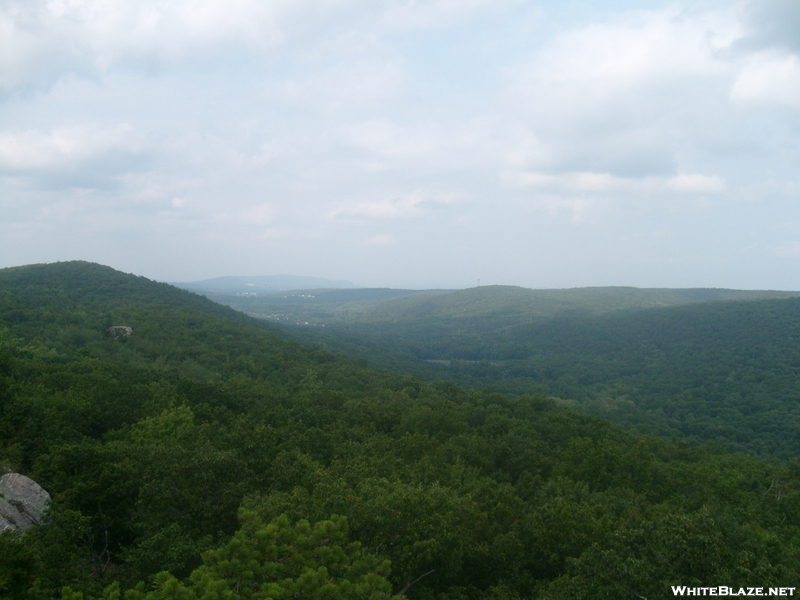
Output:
(517, 302)
(487, 304)
(263, 283)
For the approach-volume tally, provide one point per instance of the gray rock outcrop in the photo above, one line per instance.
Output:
(23, 502)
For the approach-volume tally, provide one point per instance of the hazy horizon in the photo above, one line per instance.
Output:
(406, 144)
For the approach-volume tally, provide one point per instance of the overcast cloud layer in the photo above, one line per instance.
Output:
(405, 142)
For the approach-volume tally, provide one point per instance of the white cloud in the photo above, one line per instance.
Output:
(428, 13)
(445, 145)
(352, 86)
(580, 207)
(64, 147)
(769, 78)
(599, 62)
(402, 207)
(622, 96)
(381, 240)
(263, 214)
(388, 208)
(43, 39)
(603, 183)
(788, 250)
(696, 184)
(255, 133)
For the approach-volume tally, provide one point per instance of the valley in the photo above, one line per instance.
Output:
(697, 364)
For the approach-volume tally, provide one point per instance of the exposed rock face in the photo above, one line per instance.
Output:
(116, 330)
(23, 502)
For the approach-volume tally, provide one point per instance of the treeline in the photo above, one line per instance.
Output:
(205, 457)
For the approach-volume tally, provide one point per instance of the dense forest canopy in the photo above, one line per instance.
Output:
(206, 456)
(716, 365)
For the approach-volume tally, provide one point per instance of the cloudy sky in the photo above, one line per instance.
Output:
(406, 143)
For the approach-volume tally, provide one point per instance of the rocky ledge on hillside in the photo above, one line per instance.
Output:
(23, 502)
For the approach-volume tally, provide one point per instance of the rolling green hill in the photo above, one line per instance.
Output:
(68, 307)
(515, 304)
(489, 307)
(715, 365)
(204, 446)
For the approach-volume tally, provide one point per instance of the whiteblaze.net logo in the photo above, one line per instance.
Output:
(723, 590)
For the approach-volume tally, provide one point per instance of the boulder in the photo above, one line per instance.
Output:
(23, 502)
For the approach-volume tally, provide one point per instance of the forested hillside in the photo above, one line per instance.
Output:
(717, 368)
(478, 309)
(205, 456)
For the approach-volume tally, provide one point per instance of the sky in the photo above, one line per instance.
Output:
(405, 143)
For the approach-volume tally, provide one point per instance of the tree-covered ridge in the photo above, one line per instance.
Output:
(516, 304)
(68, 307)
(159, 464)
(721, 371)
(483, 308)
